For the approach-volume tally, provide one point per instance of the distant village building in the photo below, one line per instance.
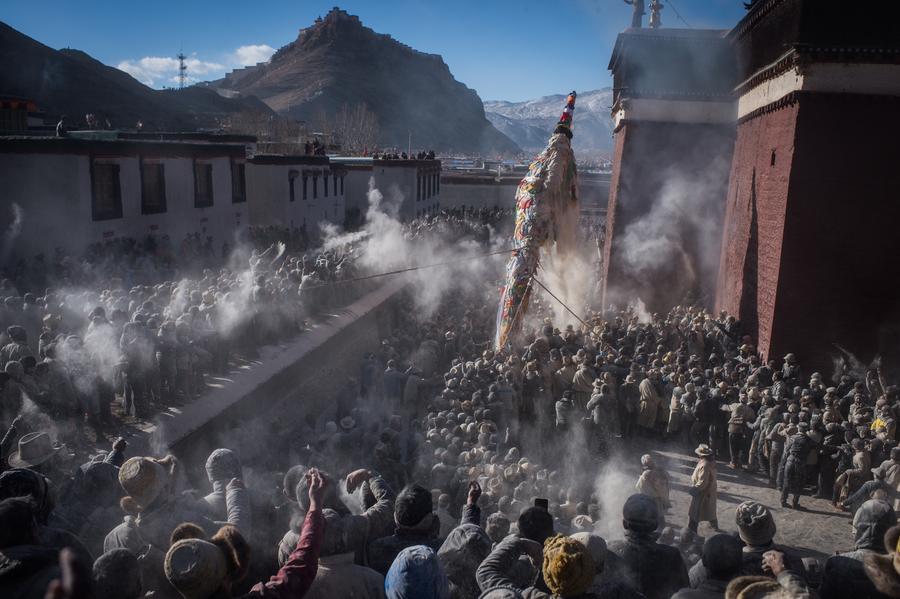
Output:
(410, 188)
(93, 186)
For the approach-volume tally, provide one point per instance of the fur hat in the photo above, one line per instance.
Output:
(703, 450)
(197, 567)
(884, 570)
(568, 568)
(144, 479)
(752, 587)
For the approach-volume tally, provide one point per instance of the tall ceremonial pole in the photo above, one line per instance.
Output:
(545, 201)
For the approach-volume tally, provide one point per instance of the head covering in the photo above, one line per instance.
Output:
(22, 482)
(34, 449)
(564, 124)
(117, 575)
(752, 587)
(640, 513)
(756, 525)
(416, 573)
(462, 552)
(223, 464)
(596, 547)
(646, 460)
(144, 479)
(568, 568)
(871, 521)
(884, 570)
(196, 568)
(703, 450)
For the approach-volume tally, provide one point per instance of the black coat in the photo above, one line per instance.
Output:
(658, 571)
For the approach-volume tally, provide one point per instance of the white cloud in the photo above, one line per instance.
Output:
(252, 54)
(157, 71)
(151, 70)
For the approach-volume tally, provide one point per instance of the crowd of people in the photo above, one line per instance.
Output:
(455, 471)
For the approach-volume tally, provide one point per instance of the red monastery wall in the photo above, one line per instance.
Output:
(754, 220)
(826, 263)
(684, 166)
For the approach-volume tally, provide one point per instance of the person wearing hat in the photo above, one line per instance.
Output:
(756, 528)
(844, 574)
(205, 569)
(38, 452)
(704, 491)
(639, 548)
(721, 562)
(654, 482)
(222, 468)
(796, 451)
(883, 570)
(629, 398)
(650, 403)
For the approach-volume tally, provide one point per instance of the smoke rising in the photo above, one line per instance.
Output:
(385, 244)
(12, 231)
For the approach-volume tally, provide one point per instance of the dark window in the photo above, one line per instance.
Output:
(305, 180)
(430, 185)
(342, 185)
(772, 162)
(325, 183)
(203, 185)
(153, 188)
(291, 186)
(315, 187)
(106, 191)
(238, 183)
(335, 185)
(438, 182)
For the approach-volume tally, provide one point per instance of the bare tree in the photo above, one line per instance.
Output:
(356, 129)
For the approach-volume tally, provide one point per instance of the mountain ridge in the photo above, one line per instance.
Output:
(338, 61)
(529, 123)
(73, 83)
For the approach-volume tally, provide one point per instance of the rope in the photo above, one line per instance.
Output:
(562, 303)
(678, 14)
(410, 269)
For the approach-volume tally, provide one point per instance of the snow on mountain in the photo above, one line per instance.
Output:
(530, 123)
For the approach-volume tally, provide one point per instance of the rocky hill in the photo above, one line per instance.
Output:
(530, 123)
(71, 82)
(337, 61)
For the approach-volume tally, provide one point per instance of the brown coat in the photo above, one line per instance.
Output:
(703, 500)
(650, 404)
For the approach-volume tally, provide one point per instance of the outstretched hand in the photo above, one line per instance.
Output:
(474, 492)
(316, 483)
(75, 582)
(356, 478)
(773, 561)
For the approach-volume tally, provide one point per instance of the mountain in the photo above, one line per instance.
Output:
(530, 123)
(71, 82)
(339, 62)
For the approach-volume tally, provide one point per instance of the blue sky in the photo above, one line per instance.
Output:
(504, 49)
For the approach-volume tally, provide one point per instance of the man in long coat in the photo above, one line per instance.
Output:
(703, 490)
(650, 403)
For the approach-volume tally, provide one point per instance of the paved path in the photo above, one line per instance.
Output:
(816, 531)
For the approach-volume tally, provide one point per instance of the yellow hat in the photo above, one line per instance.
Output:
(568, 567)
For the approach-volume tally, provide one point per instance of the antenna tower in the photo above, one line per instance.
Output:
(182, 70)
